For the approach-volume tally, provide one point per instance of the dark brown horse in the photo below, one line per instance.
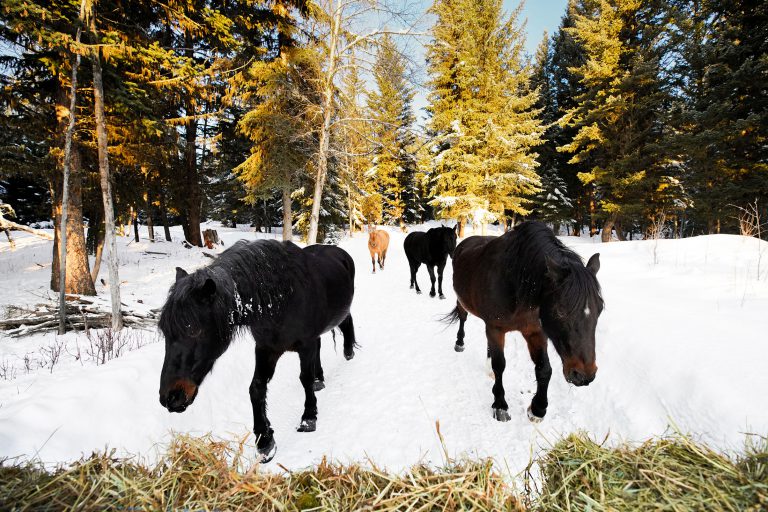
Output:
(285, 295)
(526, 280)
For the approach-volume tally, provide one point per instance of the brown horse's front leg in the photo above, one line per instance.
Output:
(498, 363)
(373, 262)
(307, 357)
(266, 360)
(461, 313)
(537, 347)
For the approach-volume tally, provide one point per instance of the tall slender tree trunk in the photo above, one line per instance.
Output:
(164, 216)
(287, 215)
(191, 182)
(325, 130)
(106, 186)
(150, 222)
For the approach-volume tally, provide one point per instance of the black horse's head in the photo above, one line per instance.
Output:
(569, 315)
(444, 240)
(197, 331)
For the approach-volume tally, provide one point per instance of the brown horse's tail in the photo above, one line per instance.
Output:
(452, 317)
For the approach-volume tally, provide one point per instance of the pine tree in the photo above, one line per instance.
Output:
(483, 116)
(618, 114)
(394, 162)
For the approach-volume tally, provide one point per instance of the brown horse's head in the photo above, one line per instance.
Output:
(373, 238)
(569, 316)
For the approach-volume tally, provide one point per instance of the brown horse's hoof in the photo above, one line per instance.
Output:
(318, 385)
(267, 453)
(458, 348)
(533, 417)
(501, 414)
(309, 425)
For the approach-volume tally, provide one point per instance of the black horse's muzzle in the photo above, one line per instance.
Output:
(179, 396)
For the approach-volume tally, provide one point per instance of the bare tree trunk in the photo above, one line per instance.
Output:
(148, 206)
(97, 258)
(135, 222)
(325, 130)
(65, 187)
(76, 265)
(164, 216)
(287, 216)
(106, 187)
(605, 235)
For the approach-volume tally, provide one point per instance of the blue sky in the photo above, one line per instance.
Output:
(541, 15)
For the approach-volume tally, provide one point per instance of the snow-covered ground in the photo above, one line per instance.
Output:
(683, 340)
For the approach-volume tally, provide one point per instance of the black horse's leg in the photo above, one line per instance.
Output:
(431, 270)
(537, 347)
(498, 363)
(347, 328)
(319, 378)
(307, 358)
(266, 359)
(440, 268)
(414, 268)
(462, 313)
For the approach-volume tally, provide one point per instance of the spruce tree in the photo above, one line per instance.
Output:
(483, 113)
(394, 160)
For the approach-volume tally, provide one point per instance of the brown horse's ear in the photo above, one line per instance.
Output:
(180, 272)
(208, 288)
(594, 263)
(555, 271)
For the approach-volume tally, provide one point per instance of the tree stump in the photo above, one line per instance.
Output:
(211, 238)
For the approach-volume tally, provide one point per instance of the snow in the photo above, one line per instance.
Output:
(681, 342)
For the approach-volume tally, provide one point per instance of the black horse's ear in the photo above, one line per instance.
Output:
(555, 271)
(208, 288)
(594, 263)
(180, 272)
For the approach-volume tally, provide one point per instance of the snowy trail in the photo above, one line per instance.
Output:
(682, 339)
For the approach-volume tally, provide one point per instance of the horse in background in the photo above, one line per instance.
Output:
(285, 295)
(431, 248)
(526, 280)
(378, 242)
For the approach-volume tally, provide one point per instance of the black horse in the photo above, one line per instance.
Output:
(528, 281)
(286, 296)
(431, 248)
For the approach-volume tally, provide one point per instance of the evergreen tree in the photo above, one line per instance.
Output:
(618, 114)
(483, 116)
(394, 162)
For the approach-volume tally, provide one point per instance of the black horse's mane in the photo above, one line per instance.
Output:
(531, 243)
(253, 281)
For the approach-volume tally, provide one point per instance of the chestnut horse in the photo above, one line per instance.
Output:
(285, 295)
(526, 280)
(378, 242)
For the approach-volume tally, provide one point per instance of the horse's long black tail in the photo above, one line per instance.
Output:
(452, 317)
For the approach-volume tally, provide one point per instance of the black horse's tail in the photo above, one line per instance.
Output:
(452, 317)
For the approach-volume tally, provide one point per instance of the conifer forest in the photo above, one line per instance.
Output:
(634, 119)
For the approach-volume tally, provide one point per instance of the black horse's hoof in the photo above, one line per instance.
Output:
(442, 297)
(410, 287)
(349, 356)
(267, 452)
(533, 417)
(418, 292)
(432, 294)
(308, 425)
(318, 385)
(500, 414)
(458, 348)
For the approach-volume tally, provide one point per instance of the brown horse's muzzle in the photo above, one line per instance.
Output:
(578, 373)
(179, 396)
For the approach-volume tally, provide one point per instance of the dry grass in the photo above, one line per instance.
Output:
(202, 474)
(671, 473)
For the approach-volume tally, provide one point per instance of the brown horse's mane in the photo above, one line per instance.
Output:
(530, 245)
